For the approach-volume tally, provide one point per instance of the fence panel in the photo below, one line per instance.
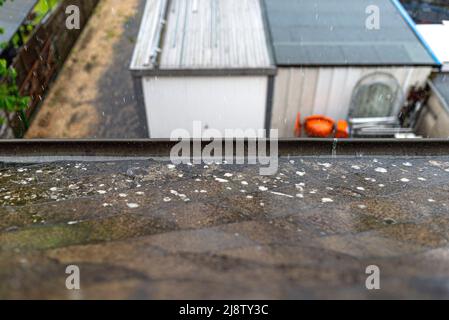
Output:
(40, 60)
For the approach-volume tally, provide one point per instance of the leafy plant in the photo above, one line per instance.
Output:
(10, 99)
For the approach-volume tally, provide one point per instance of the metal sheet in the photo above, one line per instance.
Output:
(204, 35)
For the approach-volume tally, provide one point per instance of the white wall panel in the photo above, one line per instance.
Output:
(218, 102)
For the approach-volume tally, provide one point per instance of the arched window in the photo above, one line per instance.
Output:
(377, 95)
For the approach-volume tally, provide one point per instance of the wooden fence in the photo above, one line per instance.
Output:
(40, 60)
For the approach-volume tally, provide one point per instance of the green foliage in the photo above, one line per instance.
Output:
(10, 99)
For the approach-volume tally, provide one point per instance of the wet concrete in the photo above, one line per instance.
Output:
(146, 229)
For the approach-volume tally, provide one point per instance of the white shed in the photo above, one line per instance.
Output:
(324, 49)
(256, 64)
(203, 60)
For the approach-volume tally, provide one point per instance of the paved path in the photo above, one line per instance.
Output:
(93, 96)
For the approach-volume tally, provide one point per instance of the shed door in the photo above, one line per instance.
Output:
(220, 103)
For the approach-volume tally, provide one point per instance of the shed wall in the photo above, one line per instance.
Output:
(326, 91)
(434, 119)
(218, 102)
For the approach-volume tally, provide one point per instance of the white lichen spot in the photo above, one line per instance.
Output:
(431, 200)
(221, 180)
(381, 170)
(361, 188)
(362, 206)
(132, 205)
(355, 167)
(140, 193)
(171, 166)
(262, 188)
(300, 173)
(381, 185)
(407, 164)
(281, 194)
(327, 200)
(244, 183)
(422, 179)
(101, 192)
(326, 165)
(300, 195)
(249, 197)
(71, 223)
(228, 175)
(167, 199)
(122, 195)
(405, 180)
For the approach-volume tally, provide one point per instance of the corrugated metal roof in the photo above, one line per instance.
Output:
(333, 32)
(12, 15)
(203, 35)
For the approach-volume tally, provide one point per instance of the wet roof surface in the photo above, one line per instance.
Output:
(12, 15)
(147, 229)
(333, 32)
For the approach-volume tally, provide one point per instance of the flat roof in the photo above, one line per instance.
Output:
(202, 36)
(333, 32)
(12, 15)
(144, 229)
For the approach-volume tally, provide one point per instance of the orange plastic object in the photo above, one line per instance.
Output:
(319, 126)
(298, 127)
(342, 130)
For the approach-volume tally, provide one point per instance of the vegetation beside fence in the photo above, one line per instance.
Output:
(42, 57)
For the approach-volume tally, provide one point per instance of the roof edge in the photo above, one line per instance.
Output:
(211, 72)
